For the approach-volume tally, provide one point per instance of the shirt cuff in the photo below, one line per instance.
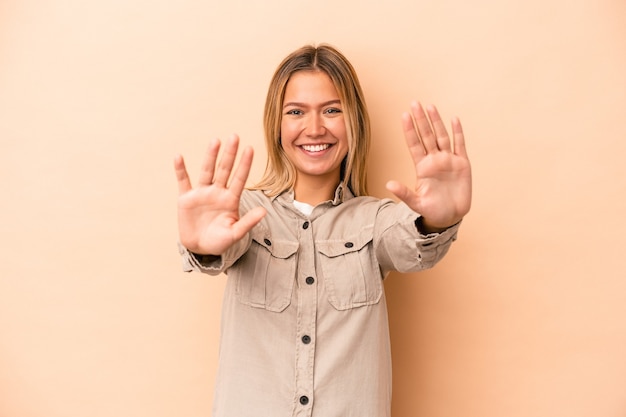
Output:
(212, 264)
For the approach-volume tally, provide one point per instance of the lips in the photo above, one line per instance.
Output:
(315, 148)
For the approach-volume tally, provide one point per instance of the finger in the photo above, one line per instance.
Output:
(404, 193)
(412, 138)
(225, 165)
(424, 129)
(240, 177)
(247, 222)
(459, 138)
(208, 163)
(182, 177)
(443, 140)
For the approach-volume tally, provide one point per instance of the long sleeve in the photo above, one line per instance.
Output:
(399, 245)
(213, 265)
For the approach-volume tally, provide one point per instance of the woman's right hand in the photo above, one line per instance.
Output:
(208, 215)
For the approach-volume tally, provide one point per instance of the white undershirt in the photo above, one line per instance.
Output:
(304, 208)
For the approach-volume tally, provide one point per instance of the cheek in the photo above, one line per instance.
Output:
(287, 131)
(339, 131)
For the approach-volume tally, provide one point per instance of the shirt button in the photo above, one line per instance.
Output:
(304, 400)
(348, 244)
(310, 280)
(267, 242)
(305, 225)
(306, 339)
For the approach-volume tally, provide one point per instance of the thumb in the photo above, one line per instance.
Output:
(403, 193)
(248, 221)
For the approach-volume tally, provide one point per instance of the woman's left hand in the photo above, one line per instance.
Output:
(443, 189)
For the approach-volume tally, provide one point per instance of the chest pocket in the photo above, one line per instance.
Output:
(351, 273)
(267, 272)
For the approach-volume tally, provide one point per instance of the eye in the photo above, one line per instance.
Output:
(295, 112)
(332, 110)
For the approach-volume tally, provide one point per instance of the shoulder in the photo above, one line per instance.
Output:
(365, 209)
(383, 212)
(367, 203)
(254, 198)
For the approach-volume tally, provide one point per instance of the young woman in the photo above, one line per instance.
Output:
(304, 322)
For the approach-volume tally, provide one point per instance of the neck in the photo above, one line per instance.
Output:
(315, 190)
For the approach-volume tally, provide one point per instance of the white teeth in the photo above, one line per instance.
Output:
(315, 148)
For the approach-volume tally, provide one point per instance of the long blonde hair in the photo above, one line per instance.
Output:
(280, 174)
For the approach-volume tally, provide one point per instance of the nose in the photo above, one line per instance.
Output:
(315, 126)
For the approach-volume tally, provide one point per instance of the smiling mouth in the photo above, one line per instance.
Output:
(315, 148)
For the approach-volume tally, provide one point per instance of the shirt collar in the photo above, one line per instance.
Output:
(342, 194)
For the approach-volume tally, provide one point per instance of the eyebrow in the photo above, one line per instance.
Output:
(296, 104)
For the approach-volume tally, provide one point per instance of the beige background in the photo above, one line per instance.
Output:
(525, 317)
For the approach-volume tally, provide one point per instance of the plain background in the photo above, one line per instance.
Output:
(526, 316)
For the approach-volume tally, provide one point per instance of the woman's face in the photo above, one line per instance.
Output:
(313, 130)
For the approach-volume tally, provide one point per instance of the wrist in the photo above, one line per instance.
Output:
(425, 228)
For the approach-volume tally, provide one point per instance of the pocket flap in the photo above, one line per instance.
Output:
(279, 248)
(337, 247)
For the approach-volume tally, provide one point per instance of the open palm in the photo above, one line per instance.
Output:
(443, 187)
(208, 215)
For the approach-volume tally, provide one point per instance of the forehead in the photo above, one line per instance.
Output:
(310, 86)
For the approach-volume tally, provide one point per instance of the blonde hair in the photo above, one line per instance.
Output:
(280, 174)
